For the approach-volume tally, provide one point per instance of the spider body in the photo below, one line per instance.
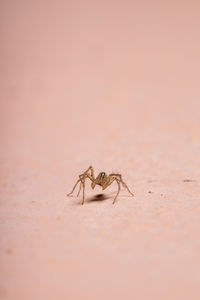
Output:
(102, 180)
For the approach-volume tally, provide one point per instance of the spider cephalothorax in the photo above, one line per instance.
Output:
(102, 179)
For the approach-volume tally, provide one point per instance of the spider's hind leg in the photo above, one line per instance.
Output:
(119, 176)
(125, 185)
(118, 182)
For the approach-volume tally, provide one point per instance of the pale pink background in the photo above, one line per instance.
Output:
(114, 84)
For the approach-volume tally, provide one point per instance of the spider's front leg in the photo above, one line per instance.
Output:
(74, 187)
(82, 183)
(82, 178)
(83, 191)
(91, 174)
(79, 189)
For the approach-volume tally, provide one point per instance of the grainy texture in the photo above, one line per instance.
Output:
(113, 84)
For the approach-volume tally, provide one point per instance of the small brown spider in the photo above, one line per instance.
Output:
(102, 179)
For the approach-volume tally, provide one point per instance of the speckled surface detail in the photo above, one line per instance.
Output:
(113, 84)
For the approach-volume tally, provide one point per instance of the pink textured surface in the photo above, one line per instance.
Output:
(116, 85)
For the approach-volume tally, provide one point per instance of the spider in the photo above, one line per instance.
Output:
(102, 179)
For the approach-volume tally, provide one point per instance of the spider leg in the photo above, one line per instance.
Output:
(118, 182)
(79, 189)
(91, 176)
(123, 183)
(82, 179)
(74, 187)
(83, 182)
(83, 193)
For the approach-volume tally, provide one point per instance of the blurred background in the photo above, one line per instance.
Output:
(113, 84)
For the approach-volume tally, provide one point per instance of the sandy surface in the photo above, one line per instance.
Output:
(113, 84)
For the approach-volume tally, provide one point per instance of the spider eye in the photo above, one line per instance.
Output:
(102, 174)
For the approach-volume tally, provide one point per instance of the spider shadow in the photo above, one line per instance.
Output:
(102, 197)
(98, 197)
(95, 198)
